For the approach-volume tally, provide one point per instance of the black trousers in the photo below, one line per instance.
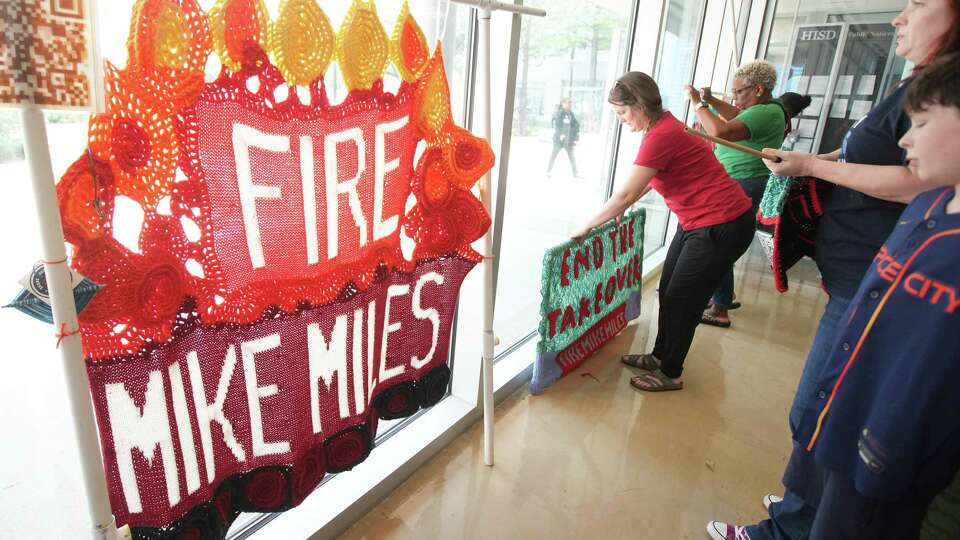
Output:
(696, 262)
(556, 150)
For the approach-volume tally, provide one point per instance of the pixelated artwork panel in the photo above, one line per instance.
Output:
(44, 58)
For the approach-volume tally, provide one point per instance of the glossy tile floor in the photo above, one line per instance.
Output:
(593, 458)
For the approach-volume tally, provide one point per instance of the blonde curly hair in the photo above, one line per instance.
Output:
(759, 72)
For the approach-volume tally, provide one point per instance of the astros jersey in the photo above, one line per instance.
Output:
(886, 410)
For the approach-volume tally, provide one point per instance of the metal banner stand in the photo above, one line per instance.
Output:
(61, 293)
(484, 9)
(65, 321)
(37, 151)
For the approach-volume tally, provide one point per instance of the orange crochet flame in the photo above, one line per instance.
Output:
(234, 24)
(168, 47)
(433, 99)
(408, 48)
(136, 139)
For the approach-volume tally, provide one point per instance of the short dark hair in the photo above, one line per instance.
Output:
(937, 84)
(636, 89)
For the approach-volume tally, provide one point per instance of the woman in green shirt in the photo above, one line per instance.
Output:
(757, 121)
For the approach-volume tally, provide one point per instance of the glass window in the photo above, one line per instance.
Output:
(561, 144)
(674, 67)
(35, 413)
(791, 13)
(33, 410)
(842, 56)
(678, 52)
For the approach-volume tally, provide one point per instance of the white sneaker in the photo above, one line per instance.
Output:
(771, 499)
(722, 531)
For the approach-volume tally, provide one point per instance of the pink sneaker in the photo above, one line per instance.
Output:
(722, 531)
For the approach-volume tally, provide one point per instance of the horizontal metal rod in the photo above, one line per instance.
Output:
(501, 6)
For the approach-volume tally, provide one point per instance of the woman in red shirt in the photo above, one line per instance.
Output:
(716, 224)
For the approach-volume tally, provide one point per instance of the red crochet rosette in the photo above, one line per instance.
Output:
(266, 489)
(347, 449)
(446, 216)
(308, 471)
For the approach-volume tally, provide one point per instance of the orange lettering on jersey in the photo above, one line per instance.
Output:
(932, 291)
(887, 267)
(910, 285)
(954, 302)
(918, 285)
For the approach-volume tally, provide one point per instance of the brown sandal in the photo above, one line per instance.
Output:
(656, 381)
(641, 361)
(713, 320)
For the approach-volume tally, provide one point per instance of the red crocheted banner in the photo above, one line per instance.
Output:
(267, 316)
(304, 197)
(295, 395)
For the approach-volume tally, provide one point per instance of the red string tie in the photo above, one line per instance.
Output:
(64, 333)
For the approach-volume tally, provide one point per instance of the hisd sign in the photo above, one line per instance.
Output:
(590, 290)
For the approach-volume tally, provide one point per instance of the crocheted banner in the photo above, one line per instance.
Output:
(287, 398)
(44, 54)
(590, 290)
(298, 265)
(788, 219)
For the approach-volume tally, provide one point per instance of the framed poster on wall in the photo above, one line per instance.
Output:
(843, 67)
(864, 59)
(811, 69)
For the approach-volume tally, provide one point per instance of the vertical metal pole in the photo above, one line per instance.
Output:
(484, 9)
(65, 321)
(483, 51)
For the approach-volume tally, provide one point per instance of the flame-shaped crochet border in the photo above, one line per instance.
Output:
(145, 147)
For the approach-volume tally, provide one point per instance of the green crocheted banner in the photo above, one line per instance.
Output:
(582, 282)
(775, 195)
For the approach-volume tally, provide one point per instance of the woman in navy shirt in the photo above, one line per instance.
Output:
(872, 182)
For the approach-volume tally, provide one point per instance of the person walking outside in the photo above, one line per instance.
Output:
(566, 132)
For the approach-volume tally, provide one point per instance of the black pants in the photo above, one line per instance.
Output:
(556, 150)
(754, 188)
(695, 264)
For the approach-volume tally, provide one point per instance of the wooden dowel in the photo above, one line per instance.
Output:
(735, 146)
